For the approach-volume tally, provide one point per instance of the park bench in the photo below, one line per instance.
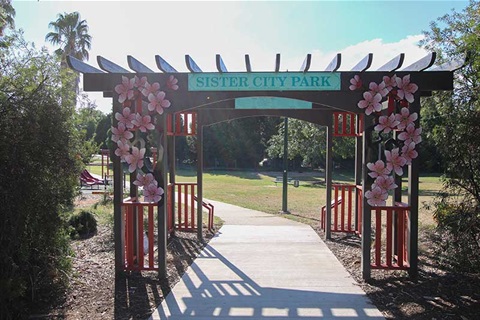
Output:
(279, 179)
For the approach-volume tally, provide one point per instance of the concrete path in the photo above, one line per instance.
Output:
(260, 266)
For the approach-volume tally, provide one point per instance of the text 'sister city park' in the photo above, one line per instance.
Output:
(302, 161)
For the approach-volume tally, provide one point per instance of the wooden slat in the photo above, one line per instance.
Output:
(450, 65)
(220, 64)
(248, 65)
(277, 63)
(363, 64)
(393, 64)
(306, 63)
(334, 65)
(137, 66)
(422, 64)
(163, 65)
(191, 65)
(109, 66)
(80, 66)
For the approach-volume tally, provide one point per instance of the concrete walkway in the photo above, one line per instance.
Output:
(260, 266)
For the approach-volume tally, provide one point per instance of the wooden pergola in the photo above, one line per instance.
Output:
(330, 98)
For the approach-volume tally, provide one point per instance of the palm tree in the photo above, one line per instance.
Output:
(71, 33)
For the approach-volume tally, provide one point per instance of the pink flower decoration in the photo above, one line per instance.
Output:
(123, 149)
(409, 153)
(125, 117)
(390, 82)
(378, 88)
(405, 118)
(411, 134)
(125, 90)
(121, 133)
(405, 88)
(152, 193)
(172, 83)
(376, 197)
(143, 123)
(135, 159)
(151, 89)
(371, 102)
(395, 161)
(384, 183)
(378, 169)
(158, 102)
(145, 180)
(140, 82)
(356, 83)
(386, 123)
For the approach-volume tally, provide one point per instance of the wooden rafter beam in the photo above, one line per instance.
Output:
(163, 65)
(109, 66)
(393, 64)
(363, 64)
(422, 64)
(334, 65)
(306, 63)
(80, 66)
(191, 65)
(137, 66)
(220, 64)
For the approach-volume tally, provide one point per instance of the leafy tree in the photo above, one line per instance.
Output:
(453, 122)
(101, 131)
(7, 15)
(39, 171)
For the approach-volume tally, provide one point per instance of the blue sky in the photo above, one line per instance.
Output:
(232, 29)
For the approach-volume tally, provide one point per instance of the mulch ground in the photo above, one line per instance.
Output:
(96, 294)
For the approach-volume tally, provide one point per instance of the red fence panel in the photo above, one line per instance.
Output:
(342, 209)
(345, 124)
(391, 237)
(185, 124)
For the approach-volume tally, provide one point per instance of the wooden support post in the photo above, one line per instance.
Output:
(160, 173)
(358, 167)
(200, 120)
(368, 156)
(171, 165)
(118, 222)
(285, 167)
(413, 187)
(328, 179)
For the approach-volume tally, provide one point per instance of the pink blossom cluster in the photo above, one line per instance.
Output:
(400, 89)
(151, 191)
(135, 90)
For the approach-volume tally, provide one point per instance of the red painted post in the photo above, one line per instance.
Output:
(389, 237)
(349, 209)
(359, 211)
(150, 236)
(192, 206)
(344, 123)
(335, 209)
(141, 253)
(178, 125)
(342, 218)
(378, 236)
(401, 238)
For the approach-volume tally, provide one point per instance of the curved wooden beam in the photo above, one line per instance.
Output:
(220, 65)
(393, 64)
(137, 66)
(80, 66)
(334, 65)
(363, 64)
(191, 65)
(109, 66)
(248, 66)
(163, 65)
(451, 65)
(306, 63)
(422, 64)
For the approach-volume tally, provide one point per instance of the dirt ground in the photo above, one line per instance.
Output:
(96, 294)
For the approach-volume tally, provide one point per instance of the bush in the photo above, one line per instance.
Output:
(83, 224)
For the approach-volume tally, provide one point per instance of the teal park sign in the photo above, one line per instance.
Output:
(264, 81)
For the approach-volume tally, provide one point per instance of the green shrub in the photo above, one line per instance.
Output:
(83, 224)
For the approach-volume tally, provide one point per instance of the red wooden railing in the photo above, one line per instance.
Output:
(186, 211)
(391, 251)
(185, 124)
(136, 242)
(345, 124)
(342, 209)
(358, 226)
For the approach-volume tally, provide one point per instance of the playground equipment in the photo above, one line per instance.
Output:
(357, 103)
(86, 179)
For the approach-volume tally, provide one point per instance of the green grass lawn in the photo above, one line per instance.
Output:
(257, 191)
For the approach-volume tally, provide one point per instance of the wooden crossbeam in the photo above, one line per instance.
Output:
(191, 65)
(137, 66)
(422, 64)
(220, 64)
(109, 66)
(363, 64)
(334, 65)
(277, 63)
(248, 66)
(163, 65)
(393, 64)
(80, 66)
(306, 63)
